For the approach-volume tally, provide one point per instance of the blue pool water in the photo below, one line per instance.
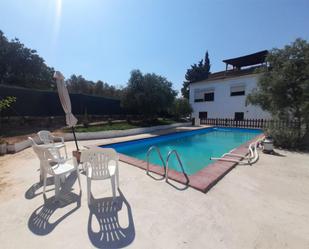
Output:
(194, 147)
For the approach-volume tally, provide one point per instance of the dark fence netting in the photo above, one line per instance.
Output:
(31, 102)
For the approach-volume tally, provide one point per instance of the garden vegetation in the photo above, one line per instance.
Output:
(283, 90)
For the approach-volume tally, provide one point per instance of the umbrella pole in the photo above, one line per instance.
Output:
(75, 138)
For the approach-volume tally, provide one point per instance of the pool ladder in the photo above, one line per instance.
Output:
(165, 164)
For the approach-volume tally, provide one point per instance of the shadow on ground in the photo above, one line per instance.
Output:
(177, 185)
(40, 220)
(275, 153)
(156, 176)
(104, 229)
(37, 188)
(33, 191)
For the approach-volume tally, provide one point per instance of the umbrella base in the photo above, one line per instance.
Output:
(76, 154)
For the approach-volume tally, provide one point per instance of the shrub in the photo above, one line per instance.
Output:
(2, 141)
(283, 91)
(285, 137)
(181, 108)
(86, 119)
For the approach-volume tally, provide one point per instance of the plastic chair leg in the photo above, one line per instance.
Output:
(113, 187)
(63, 178)
(78, 177)
(57, 186)
(44, 183)
(89, 190)
(65, 151)
(41, 172)
(117, 175)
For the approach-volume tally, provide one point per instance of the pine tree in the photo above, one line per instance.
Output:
(207, 63)
(197, 72)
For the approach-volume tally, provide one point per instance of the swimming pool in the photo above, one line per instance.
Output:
(194, 147)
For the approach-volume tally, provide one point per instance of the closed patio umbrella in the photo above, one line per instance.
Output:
(64, 97)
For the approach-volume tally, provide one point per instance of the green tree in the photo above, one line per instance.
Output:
(99, 88)
(78, 84)
(104, 89)
(6, 103)
(197, 72)
(283, 87)
(148, 94)
(181, 108)
(206, 65)
(21, 66)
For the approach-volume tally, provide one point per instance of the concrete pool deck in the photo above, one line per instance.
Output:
(263, 206)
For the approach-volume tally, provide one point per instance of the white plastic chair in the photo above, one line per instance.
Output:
(100, 164)
(49, 139)
(251, 158)
(51, 167)
(54, 152)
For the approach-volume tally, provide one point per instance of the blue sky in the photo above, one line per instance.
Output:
(106, 39)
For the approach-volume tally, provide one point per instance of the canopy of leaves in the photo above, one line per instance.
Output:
(6, 102)
(148, 94)
(283, 88)
(197, 72)
(78, 84)
(181, 108)
(21, 66)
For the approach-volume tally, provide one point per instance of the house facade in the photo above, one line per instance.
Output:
(223, 94)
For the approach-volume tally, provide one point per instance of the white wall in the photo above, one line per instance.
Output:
(224, 105)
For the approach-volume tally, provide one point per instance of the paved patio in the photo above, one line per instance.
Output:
(263, 206)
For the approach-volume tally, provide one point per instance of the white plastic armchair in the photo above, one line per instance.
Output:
(54, 151)
(53, 168)
(100, 164)
(49, 139)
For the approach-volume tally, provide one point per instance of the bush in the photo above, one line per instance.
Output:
(286, 137)
(2, 141)
(283, 91)
(181, 108)
(86, 119)
(5, 104)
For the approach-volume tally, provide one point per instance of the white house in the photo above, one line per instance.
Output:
(223, 94)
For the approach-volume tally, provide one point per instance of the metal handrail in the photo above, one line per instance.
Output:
(160, 155)
(180, 163)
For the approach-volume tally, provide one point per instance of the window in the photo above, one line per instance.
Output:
(202, 115)
(206, 94)
(238, 93)
(237, 90)
(209, 96)
(239, 116)
(198, 95)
